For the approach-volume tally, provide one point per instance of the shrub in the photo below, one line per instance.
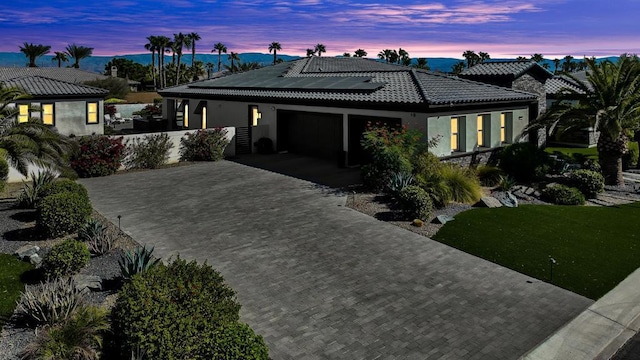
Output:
(591, 164)
(463, 185)
(137, 262)
(30, 195)
(149, 152)
(98, 155)
(65, 258)
(63, 213)
(264, 145)
(117, 87)
(173, 311)
(630, 159)
(97, 236)
(415, 202)
(425, 163)
(489, 175)
(563, 195)
(204, 145)
(4, 172)
(150, 110)
(61, 186)
(78, 338)
(238, 341)
(49, 303)
(590, 183)
(507, 183)
(399, 181)
(524, 161)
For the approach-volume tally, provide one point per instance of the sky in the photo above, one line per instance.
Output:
(502, 28)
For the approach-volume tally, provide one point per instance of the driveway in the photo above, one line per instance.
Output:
(321, 281)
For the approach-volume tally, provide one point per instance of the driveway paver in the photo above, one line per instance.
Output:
(321, 281)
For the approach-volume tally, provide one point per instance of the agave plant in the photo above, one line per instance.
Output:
(51, 302)
(136, 262)
(398, 181)
(31, 192)
(97, 236)
(507, 183)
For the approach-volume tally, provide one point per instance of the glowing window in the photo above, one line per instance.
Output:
(455, 145)
(204, 117)
(23, 113)
(47, 114)
(255, 116)
(503, 129)
(185, 118)
(480, 130)
(92, 113)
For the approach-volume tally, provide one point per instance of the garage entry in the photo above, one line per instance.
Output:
(309, 133)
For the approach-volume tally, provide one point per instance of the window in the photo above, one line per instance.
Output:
(255, 115)
(47, 114)
(204, 117)
(455, 140)
(185, 116)
(505, 127)
(481, 141)
(92, 113)
(23, 113)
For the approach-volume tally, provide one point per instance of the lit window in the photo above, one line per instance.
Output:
(255, 115)
(480, 130)
(455, 145)
(204, 117)
(185, 118)
(503, 130)
(47, 114)
(23, 113)
(92, 113)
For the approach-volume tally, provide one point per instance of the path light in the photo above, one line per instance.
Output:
(119, 217)
(552, 262)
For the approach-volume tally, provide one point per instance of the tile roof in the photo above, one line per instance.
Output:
(349, 80)
(503, 68)
(560, 83)
(38, 86)
(71, 75)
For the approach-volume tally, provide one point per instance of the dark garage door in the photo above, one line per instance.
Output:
(308, 133)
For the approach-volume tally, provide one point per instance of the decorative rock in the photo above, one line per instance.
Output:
(537, 194)
(89, 282)
(489, 202)
(443, 219)
(25, 252)
(529, 191)
(35, 260)
(510, 200)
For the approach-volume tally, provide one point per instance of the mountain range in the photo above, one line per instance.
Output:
(97, 63)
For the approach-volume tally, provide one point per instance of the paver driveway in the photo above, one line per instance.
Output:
(322, 281)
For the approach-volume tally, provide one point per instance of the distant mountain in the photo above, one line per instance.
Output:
(97, 63)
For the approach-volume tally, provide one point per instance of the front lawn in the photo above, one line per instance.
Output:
(10, 284)
(595, 247)
(568, 152)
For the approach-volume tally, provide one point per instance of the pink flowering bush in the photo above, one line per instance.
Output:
(204, 145)
(98, 155)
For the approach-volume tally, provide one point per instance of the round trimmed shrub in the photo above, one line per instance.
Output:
(63, 213)
(238, 341)
(63, 185)
(524, 161)
(563, 195)
(590, 183)
(416, 202)
(65, 258)
(174, 312)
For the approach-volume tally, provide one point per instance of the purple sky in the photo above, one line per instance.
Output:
(503, 28)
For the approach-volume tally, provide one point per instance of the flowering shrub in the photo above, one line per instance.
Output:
(204, 145)
(98, 155)
(150, 110)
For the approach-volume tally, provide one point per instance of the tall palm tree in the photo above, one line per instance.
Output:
(233, 57)
(360, 53)
(30, 142)
(471, 57)
(403, 56)
(422, 63)
(178, 44)
(556, 63)
(310, 52)
(32, 52)
(275, 47)
(190, 43)
(209, 66)
(163, 46)
(320, 48)
(568, 64)
(220, 48)
(537, 58)
(610, 100)
(60, 57)
(78, 53)
(385, 55)
(152, 46)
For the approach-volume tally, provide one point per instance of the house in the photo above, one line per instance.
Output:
(58, 99)
(320, 106)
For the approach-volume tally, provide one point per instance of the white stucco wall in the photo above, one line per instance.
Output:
(70, 116)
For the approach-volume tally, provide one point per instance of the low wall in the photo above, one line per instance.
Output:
(174, 156)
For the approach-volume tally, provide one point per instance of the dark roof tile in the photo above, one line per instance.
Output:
(503, 68)
(39, 86)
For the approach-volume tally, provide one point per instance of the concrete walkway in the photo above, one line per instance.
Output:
(322, 281)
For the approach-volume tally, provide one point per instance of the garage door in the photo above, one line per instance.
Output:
(311, 134)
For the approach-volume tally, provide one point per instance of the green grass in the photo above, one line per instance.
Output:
(10, 284)
(591, 153)
(595, 247)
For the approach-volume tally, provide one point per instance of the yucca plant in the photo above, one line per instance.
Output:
(136, 262)
(31, 192)
(51, 302)
(398, 181)
(97, 236)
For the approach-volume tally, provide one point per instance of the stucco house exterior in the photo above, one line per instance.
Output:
(320, 106)
(72, 108)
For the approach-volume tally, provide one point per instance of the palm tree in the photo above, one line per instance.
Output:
(163, 45)
(274, 47)
(178, 44)
(537, 58)
(220, 48)
(385, 55)
(248, 66)
(209, 66)
(60, 57)
(190, 41)
(403, 57)
(30, 142)
(359, 53)
(152, 46)
(556, 63)
(471, 57)
(310, 52)
(346, 54)
(33, 52)
(568, 64)
(421, 63)
(233, 57)
(320, 48)
(78, 53)
(522, 58)
(483, 56)
(457, 68)
(610, 100)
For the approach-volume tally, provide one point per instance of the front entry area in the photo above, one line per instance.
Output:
(311, 134)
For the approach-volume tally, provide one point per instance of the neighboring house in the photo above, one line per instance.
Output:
(320, 106)
(74, 109)
(72, 75)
